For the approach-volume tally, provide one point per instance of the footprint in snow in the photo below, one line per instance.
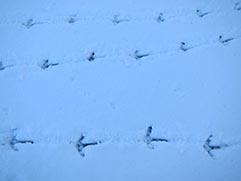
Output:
(148, 139)
(80, 145)
(137, 55)
(237, 6)
(72, 19)
(117, 19)
(91, 57)
(185, 47)
(223, 40)
(13, 140)
(30, 23)
(160, 18)
(2, 67)
(201, 14)
(44, 64)
(209, 148)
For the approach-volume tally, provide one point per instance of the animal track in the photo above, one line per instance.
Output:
(209, 148)
(185, 47)
(117, 19)
(91, 57)
(45, 64)
(224, 41)
(237, 6)
(149, 139)
(160, 18)
(137, 55)
(72, 19)
(80, 145)
(30, 23)
(14, 141)
(2, 67)
(201, 13)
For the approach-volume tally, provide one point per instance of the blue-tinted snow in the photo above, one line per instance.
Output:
(112, 99)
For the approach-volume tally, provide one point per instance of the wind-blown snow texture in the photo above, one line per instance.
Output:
(107, 70)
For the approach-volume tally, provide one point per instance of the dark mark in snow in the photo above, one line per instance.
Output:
(160, 18)
(200, 13)
(14, 140)
(137, 55)
(223, 40)
(4, 67)
(91, 57)
(184, 46)
(148, 138)
(210, 148)
(45, 64)
(72, 19)
(29, 23)
(237, 6)
(117, 19)
(80, 145)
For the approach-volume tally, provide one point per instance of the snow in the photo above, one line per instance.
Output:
(184, 95)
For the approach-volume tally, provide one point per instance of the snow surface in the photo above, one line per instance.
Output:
(184, 95)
